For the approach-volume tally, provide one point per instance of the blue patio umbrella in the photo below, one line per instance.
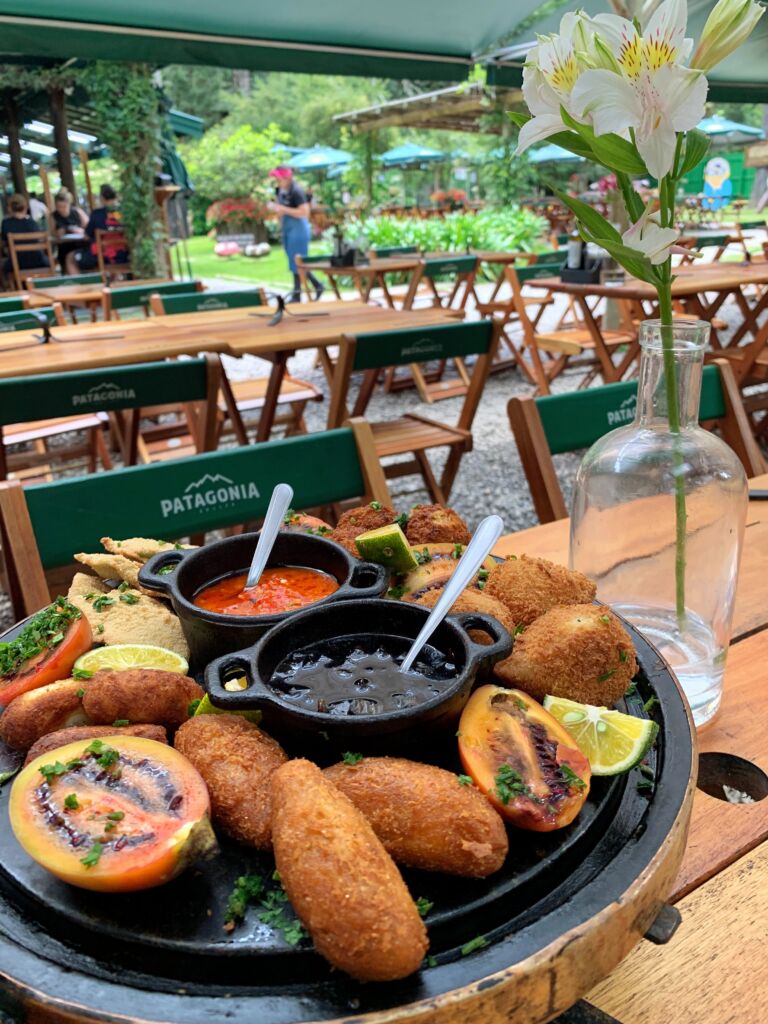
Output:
(320, 158)
(280, 147)
(411, 153)
(724, 132)
(552, 154)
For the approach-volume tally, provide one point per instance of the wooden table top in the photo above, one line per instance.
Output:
(375, 265)
(689, 280)
(82, 293)
(722, 888)
(235, 331)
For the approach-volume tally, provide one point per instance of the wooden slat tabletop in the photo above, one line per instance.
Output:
(703, 975)
(84, 293)
(689, 280)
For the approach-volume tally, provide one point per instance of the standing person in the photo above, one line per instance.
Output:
(106, 217)
(293, 206)
(68, 220)
(19, 222)
(38, 210)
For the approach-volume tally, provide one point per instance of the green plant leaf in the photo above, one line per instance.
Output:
(587, 215)
(632, 261)
(696, 148)
(518, 119)
(574, 143)
(611, 150)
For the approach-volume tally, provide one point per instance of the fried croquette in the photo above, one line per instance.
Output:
(472, 600)
(359, 520)
(62, 737)
(126, 617)
(37, 712)
(342, 883)
(236, 760)
(424, 816)
(530, 586)
(436, 524)
(140, 695)
(579, 651)
(139, 549)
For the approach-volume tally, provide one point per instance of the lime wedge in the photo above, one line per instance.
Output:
(388, 546)
(206, 708)
(124, 656)
(612, 742)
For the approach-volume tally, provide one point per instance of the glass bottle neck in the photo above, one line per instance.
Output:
(652, 397)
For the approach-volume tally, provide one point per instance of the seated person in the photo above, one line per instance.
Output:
(19, 222)
(68, 220)
(106, 218)
(37, 209)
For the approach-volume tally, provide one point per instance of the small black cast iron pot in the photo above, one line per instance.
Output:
(210, 634)
(368, 619)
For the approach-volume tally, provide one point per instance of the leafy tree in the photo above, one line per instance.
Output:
(199, 90)
(232, 161)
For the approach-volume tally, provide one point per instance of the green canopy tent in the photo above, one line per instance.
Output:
(320, 158)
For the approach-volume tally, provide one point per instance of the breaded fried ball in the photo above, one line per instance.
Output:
(37, 712)
(342, 883)
(359, 520)
(236, 760)
(530, 586)
(62, 737)
(140, 695)
(425, 817)
(579, 651)
(472, 600)
(436, 524)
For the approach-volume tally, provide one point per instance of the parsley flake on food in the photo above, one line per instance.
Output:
(479, 942)
(423, 905)
(466, 780)
(509, 784)
(92, 858)
(129, 598)
(71, 802)
(102, 602)
(46, 630)
(350, 758)
(247, 889)
(572, 778)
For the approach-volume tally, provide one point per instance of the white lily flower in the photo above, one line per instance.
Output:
(728, 25)
(649, 238)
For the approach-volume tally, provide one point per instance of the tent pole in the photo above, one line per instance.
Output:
(57, 102)
(14, 143)
(84, 164)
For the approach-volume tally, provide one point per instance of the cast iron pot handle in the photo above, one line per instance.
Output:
(485, 655)
(367, 580)
(256, 695)
(149, 574)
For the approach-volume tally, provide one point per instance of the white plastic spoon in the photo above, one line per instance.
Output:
(279, 503)
(484, 539)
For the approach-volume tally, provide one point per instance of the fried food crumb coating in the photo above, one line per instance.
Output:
(37, 712)
(530, 586)
(140, 695)
(359, 520)
(62, 737)
(236, 760)
(424, 816)
(472, 600)
(344, 886)
(436, 524)
(580, 652)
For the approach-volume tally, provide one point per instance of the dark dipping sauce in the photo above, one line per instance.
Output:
(354, 675)
(281, 589)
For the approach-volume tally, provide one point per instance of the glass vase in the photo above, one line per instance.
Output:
(658, 518)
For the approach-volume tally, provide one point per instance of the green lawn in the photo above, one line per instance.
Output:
(271, 270)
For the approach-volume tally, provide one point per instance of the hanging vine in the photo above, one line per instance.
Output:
(126, 103)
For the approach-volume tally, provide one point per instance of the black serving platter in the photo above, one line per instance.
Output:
(134, 955)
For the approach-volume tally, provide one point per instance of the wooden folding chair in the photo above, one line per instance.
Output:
(108, 241)
(243, 398)
(29, 242)
(548, 426)
(413, 434)
(58, 280)
(42, 526)
(14, 304)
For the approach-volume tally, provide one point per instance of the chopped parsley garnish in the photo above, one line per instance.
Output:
(651, 703)
(647, 771)
(289, 516)
(423, 905)
(519, 628)
(509, 784)
(71, 802)
(193, 706)
(80, 693)
(276, 875)
(46, 630)
(483, 574)
(572, 778)
(376, 506)
(605, 676)
(293, 932)
(166, 570)
(102, 602)
(95, 747)
(631, 690)
(520, 703)
(123, 587)
(177, 546)
(110, 826)
(606, 619)
(81, 673)
(644, 787)
(479, 942)
(396, 592)
(481, 584)
(247, 889)
(457, 550)
(50, 771)
(402, 520)
(274, 914)
(105, 756)
(120, 722)
(431, 961)
(350, 758)
(92, 858)
(129, 598)
(422, 557)
(622, 655)
(466, 780)
(116, 815)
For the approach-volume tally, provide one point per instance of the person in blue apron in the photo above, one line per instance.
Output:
(292, 204)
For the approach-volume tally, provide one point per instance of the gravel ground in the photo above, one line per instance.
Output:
(490, 478)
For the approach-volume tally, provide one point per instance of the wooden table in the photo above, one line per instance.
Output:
(89, 296)
(368, 276)
(714, 970)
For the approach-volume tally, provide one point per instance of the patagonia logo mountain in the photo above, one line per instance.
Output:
(104, 392)
(423, 347)
(625, 413)
(212, 489)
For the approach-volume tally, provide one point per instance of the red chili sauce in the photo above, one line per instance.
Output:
(283, 589)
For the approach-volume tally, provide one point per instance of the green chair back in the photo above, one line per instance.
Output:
(577, 419)
(711, 241)
(25, 320)
(55, 282)
(536, 270)
(449, 266)
(395, 250)
(418, 345)
(199, 302)
(115, 387)
(129, 295)
(747, 225)
(553, 256)
(192, 495)
(11, 305)
(315, 259)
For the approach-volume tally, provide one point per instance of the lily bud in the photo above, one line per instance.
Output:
(729, 24)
